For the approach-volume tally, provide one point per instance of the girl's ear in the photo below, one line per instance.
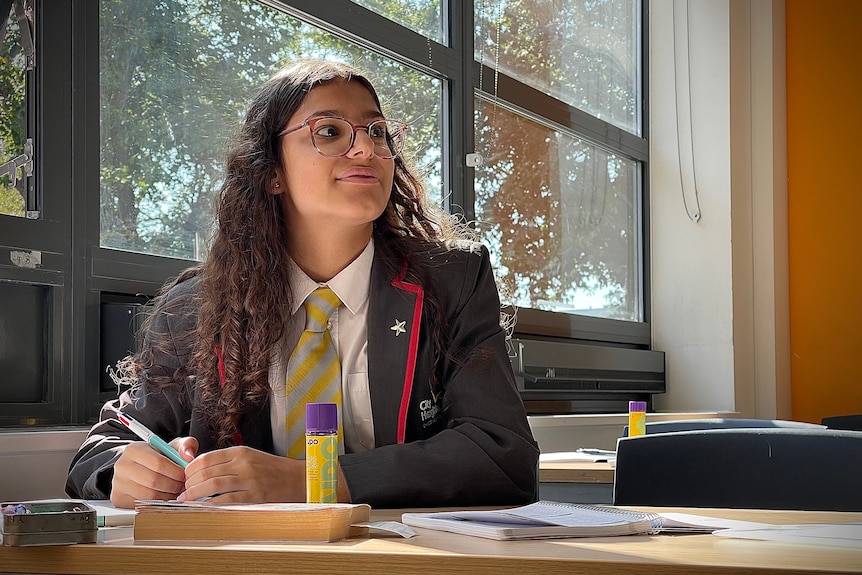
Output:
(275, 186)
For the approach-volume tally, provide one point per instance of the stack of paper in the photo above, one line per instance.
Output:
(110, 516)
(832, 534)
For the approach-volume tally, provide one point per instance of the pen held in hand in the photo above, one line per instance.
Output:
(157, 442)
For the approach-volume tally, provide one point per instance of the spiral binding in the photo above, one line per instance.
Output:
(654, 519)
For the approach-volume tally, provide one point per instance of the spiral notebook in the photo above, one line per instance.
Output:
(552, 519)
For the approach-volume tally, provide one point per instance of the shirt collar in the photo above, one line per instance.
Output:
(350, 284)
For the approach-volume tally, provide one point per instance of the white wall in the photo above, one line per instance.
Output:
(34, 463)
(691, 261)
(759, 201)
(719, 288)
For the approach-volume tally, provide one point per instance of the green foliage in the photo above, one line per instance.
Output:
(422, 16)
(11, 202)
(176, 76)
(12, 116)
(560, 211)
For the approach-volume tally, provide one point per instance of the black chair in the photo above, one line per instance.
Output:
(848, 422)
(719, 423)
(755, 468)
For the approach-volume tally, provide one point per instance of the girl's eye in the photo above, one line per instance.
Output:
(377, 131)
(328, 130)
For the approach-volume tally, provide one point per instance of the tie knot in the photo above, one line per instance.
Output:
(319, 306)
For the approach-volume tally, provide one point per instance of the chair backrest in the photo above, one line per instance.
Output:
(719, 423)
(754, 468)
(849, 422)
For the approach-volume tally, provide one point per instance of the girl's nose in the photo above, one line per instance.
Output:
(362, 143)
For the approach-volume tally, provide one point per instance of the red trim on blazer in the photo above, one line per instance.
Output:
(222, 378)
(399, 283)
(220, 366)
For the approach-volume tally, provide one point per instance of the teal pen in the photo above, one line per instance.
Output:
(161, 446)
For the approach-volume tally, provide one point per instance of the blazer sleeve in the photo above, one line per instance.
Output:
(160, 409)
(485, 453)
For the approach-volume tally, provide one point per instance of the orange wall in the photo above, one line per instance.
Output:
(824, 165)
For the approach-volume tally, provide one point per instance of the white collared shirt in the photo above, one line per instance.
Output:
(350, 335)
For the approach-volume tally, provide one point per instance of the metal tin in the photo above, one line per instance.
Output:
(49, 523)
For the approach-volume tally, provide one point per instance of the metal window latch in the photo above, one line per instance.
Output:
(25, 161)
(474, 160)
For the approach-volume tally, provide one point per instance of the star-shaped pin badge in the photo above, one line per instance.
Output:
(398, 328)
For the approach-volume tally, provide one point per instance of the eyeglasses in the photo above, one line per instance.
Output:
(334, 137)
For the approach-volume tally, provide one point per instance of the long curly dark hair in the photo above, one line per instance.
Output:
(244, 293)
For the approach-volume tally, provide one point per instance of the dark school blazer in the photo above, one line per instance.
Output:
(457, 439)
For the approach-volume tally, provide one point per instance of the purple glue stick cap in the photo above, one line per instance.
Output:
(321, 417)
(637, 406)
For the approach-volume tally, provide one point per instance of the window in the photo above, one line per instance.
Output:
(174, 80)
(525, 116)
(585, 53)
(425, 17)
(559, 206)
(16, 144)
(560, 217)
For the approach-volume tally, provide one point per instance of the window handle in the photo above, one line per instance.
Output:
(25, 160)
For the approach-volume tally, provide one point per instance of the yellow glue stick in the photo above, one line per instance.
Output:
(321, 452)
(637, 418)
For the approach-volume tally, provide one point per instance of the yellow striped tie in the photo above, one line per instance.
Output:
(313, 370)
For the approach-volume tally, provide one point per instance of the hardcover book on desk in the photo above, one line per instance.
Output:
(202, 521)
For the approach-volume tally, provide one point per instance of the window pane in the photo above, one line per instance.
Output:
(13, 118)
(559, 216)
(422, 16)
(175, 80)
(584, 52)
(23, 342)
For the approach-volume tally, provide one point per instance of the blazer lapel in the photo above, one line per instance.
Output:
(394, 320)
(255, 430)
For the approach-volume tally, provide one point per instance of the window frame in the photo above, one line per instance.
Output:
(509, 92)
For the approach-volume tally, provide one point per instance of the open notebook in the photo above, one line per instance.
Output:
(551, 519)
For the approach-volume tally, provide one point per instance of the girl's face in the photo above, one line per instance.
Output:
(342, 194)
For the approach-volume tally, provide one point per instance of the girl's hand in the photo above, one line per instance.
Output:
(141, 472)
(244, 475)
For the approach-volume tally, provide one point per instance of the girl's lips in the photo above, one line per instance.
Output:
(359, 175)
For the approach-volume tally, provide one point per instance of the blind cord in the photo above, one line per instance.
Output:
(684, 123)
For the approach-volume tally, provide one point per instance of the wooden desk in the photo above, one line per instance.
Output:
(435, 552)
(575, 472)
(576, 481)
